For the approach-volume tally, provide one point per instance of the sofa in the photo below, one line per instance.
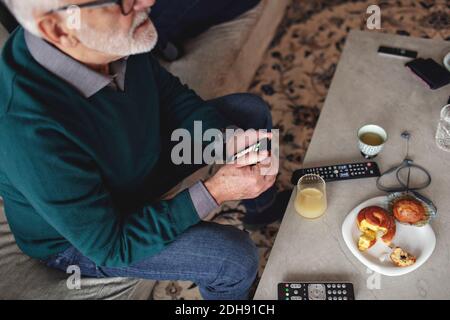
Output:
(222, 60)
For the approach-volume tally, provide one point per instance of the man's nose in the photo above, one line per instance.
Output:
(143, 4)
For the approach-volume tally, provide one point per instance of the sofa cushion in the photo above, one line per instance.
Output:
(22, 277)
(3, 35)
(224, 59)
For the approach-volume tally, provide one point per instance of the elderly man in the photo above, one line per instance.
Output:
(86, 116)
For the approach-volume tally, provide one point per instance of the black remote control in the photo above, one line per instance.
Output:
(397, 52)
(340, 172)
(333, 291)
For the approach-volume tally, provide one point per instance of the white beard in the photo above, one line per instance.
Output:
(119, 44)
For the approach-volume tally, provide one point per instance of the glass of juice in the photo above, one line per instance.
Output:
(311, 199)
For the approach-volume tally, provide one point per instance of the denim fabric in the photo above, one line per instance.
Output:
(178, 20)
(221, 260)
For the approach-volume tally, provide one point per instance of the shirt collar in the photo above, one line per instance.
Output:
(84, 79)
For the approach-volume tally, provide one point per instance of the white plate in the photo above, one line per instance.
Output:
(419, 241)
(447, 61)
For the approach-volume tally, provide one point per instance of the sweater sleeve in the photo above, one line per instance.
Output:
(63, 184)
(181, 106)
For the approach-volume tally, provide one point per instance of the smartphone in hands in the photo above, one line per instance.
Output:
(261, 145)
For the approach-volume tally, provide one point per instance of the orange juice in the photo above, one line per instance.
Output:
(310, 203)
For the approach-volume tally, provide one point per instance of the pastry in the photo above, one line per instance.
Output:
(367, 240)
(401, 258)
(372, 221)
(409, 210)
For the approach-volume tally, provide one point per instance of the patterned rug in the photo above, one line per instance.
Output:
(294, 78)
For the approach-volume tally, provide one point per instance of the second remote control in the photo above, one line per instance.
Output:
(340, 172)
(300, 291)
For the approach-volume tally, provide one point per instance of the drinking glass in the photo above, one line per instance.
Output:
(443, 130)
(311, 199)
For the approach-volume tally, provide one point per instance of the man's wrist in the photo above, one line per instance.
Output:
(213, 191)
(203, 201)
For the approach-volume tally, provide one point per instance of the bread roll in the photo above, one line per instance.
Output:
(408, 210)
(371, 221)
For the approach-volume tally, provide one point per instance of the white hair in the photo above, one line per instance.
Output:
(24, 11)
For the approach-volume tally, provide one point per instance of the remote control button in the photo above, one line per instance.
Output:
(296, 286)
(345, 298)
(330, 298)
(316, 292)
(344, 291)
(338, 286)
(340, 298)
(333, 286)
(335, 171)
(329, 291)
(334, 291)
(369, 164)
(339, 291)
(334, 298)
(344, 286)
(295, 291)
(328, 285)
(296, 298)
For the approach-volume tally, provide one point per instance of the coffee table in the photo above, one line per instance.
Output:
(368, 88)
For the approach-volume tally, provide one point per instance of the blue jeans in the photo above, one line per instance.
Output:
(221, 260)
(178, 20)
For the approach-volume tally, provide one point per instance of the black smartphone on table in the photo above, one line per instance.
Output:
(430, 72)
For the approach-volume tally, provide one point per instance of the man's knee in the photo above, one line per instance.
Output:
(255, 109)
(239, 263)
(254, 102)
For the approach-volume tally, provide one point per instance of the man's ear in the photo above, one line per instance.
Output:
(53, 29)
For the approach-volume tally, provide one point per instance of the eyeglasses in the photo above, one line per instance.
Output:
(126, 6)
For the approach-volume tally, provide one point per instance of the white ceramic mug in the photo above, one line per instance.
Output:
(367, 150)
(447, 61)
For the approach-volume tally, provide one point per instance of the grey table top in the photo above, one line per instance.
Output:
(368, 88)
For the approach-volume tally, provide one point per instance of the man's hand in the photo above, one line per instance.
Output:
(242, 139)
(241, 180)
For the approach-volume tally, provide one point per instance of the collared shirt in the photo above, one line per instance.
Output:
(85, 80)
(88, 82)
